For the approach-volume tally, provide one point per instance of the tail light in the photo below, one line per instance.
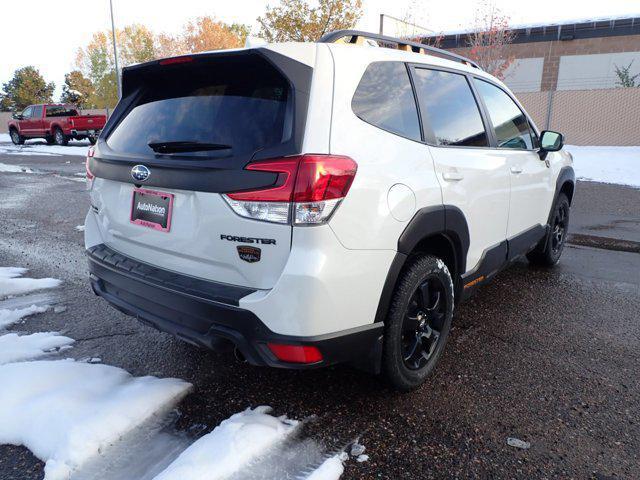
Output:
(295, 353)
(307, 190)
(90, 175)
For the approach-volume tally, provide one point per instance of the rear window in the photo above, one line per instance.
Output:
(61, 111)
(244, 109)
(384, 98)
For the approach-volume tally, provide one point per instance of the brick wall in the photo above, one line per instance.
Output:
(552, 51)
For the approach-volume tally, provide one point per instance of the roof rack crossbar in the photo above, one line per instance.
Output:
(356, 37)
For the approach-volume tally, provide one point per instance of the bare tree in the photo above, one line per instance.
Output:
(489, 40)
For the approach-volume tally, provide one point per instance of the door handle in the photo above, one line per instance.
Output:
(516, 170)
(452, 176)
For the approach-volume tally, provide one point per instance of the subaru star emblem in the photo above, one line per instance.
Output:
(140, 173)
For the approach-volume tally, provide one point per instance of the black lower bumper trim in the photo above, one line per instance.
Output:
(201, 312)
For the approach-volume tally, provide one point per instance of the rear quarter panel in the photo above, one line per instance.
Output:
(385, 160)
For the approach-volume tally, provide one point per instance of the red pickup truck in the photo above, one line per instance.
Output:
(55, 122)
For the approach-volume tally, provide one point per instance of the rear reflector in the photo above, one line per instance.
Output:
(295, 353)
(307, 190)
(174, 60)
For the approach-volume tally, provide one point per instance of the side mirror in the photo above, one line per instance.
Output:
(550, 141)
(17, 116)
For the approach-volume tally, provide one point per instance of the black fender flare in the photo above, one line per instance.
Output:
(445, 220)
(566, 175)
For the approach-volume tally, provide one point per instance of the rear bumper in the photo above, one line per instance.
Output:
(200, 312)
(84, 133)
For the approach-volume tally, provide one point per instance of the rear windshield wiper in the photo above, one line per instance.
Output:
(174, 147)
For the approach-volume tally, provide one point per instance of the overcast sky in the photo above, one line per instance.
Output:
(34, 32)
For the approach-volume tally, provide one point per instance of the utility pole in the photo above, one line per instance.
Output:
(115, 51)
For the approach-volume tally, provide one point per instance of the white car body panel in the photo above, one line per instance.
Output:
(329, 278)
(324, 287)
(476, 180)
(193, 245)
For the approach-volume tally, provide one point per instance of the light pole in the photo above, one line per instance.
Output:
(115, 51)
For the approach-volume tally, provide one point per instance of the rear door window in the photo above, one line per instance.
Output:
(450, 108)
(228, 109)
(510, 124)
(36, 112)
(384, 98)
(61, 111)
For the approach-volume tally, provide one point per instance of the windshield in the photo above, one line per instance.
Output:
(242, 110)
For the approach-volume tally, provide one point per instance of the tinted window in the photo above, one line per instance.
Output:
(510, 124)
(61, 111)
(246, 108)
(384, 98)
(36, 112)
(451, 108)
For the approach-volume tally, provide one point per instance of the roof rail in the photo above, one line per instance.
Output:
(357, 37)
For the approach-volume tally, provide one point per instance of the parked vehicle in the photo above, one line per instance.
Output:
(319, 203)
(57, 123)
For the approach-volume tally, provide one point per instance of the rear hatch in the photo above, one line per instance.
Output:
(88, 122)
(180, 138)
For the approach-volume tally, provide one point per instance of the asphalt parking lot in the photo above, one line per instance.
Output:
(550, 357)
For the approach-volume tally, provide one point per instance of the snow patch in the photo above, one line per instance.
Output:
(230, 446)
(4, 167)
(9, 317)
(40, 147)
(80, 228)
(16, 348)
(619, 165)
(67, 412)
(11, 284)
(331, 469)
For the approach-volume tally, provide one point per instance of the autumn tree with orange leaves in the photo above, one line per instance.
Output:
(489, 40)
(299, 21)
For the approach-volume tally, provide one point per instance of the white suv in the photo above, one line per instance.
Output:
(317, 203)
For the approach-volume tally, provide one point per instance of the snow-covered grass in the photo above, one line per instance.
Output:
(66, 412)
(38, 146)
(230, 446)
(619, 165)
(16, 348)
(11, 284)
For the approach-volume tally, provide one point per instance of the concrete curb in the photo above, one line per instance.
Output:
(604, 243)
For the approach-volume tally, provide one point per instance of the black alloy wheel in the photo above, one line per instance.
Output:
(418, 322)
(423, 322)
(559, 227)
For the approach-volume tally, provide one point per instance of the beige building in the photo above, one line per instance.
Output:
(565, 75)
(571, 56)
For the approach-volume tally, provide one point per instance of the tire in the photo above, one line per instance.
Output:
(418, 323)
(548, 252)
(60, 138)
(92, 140)
(16, 138)
(50, 140)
